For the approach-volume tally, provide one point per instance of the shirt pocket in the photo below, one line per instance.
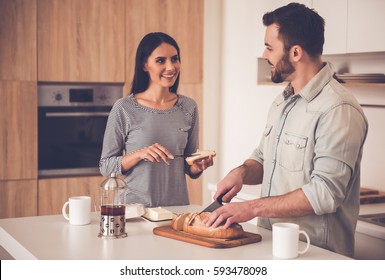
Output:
(293, 150)
(182, 135)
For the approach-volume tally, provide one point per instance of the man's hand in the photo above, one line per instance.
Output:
(235, 212)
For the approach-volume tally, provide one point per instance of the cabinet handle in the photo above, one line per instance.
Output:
(77, 114)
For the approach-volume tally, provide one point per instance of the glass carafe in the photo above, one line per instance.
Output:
(111, 208)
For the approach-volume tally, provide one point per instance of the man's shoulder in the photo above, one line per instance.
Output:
(333, 95)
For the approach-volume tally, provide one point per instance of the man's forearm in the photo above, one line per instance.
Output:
(252, 172)
(293, 204)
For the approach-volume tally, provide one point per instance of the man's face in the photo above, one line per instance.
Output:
(276, 56)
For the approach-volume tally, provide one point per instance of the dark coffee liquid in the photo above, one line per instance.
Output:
(113, 210)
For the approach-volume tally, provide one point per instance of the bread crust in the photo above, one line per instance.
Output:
(193, 224)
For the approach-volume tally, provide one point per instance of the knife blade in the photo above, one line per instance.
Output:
(215, 205)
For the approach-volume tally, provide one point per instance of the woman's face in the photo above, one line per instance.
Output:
(276, 56)
(163, 66)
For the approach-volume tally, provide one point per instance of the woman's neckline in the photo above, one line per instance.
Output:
(153, 109)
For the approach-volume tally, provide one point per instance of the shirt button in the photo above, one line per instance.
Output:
(298, 146)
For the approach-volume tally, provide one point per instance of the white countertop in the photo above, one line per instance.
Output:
(52, 237)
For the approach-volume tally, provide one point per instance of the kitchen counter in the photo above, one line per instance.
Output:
(52, 237)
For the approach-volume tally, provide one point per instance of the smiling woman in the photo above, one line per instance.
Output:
(151, 125)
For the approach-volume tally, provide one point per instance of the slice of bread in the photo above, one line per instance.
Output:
(178, 222)
(200, 155)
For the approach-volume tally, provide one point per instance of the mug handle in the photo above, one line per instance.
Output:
(307, 241)
(64, 211)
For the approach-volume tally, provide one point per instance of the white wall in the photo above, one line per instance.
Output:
(235, 108)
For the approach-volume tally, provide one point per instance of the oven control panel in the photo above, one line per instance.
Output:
(78, 95)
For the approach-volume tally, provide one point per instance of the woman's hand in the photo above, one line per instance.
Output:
(156, 153)
(202, 164)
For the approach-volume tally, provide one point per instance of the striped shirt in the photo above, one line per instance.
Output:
(132, 126)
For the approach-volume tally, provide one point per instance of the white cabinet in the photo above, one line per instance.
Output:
(335, 14)
(366, 25)
(352, 26)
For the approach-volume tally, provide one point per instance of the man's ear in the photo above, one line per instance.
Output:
(296, 52)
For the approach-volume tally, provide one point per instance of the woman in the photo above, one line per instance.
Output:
(149, 131)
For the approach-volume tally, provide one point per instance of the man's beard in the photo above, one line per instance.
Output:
(282, 70)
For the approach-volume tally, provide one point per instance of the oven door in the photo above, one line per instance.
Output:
(70, 140)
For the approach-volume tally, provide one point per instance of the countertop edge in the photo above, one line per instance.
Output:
(14, 248)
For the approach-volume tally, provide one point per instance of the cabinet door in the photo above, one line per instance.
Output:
(18, 198)
(366, 25)
(53, 193)
(18, 40)
(335, 14)
(81, 41)
(183, 20)
(18, 130)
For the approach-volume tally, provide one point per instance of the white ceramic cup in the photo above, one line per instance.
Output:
(79, 212)
(286, 240)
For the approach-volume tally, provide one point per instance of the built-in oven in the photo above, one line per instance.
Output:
(71, 124)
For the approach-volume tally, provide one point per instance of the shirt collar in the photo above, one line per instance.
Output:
(314, 86)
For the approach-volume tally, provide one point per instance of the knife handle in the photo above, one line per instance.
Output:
(219, 198)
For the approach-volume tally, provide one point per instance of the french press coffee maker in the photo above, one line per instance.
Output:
(112, 208)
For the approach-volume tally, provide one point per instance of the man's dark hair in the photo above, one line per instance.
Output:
(298, 25)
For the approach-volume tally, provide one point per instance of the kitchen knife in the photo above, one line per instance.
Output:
(215, 205)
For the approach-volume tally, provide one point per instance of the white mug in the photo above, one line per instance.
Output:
(285, 240)
(79, 210)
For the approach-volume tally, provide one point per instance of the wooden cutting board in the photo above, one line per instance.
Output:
(368, 195)
(247, 238)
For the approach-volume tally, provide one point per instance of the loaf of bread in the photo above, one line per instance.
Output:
(193, 223)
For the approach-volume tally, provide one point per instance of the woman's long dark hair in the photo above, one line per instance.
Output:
(146, 46)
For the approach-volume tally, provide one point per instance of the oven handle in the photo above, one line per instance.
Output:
(76, 114)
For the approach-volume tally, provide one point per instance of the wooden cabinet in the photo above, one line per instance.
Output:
(18, 198)
(183, 20)
(81, 41)
(53, 193)
(18, 40)
(18, 130)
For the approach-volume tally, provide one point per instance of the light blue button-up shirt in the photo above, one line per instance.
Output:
(314, 140)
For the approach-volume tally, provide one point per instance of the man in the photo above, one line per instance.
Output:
(308, 160)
